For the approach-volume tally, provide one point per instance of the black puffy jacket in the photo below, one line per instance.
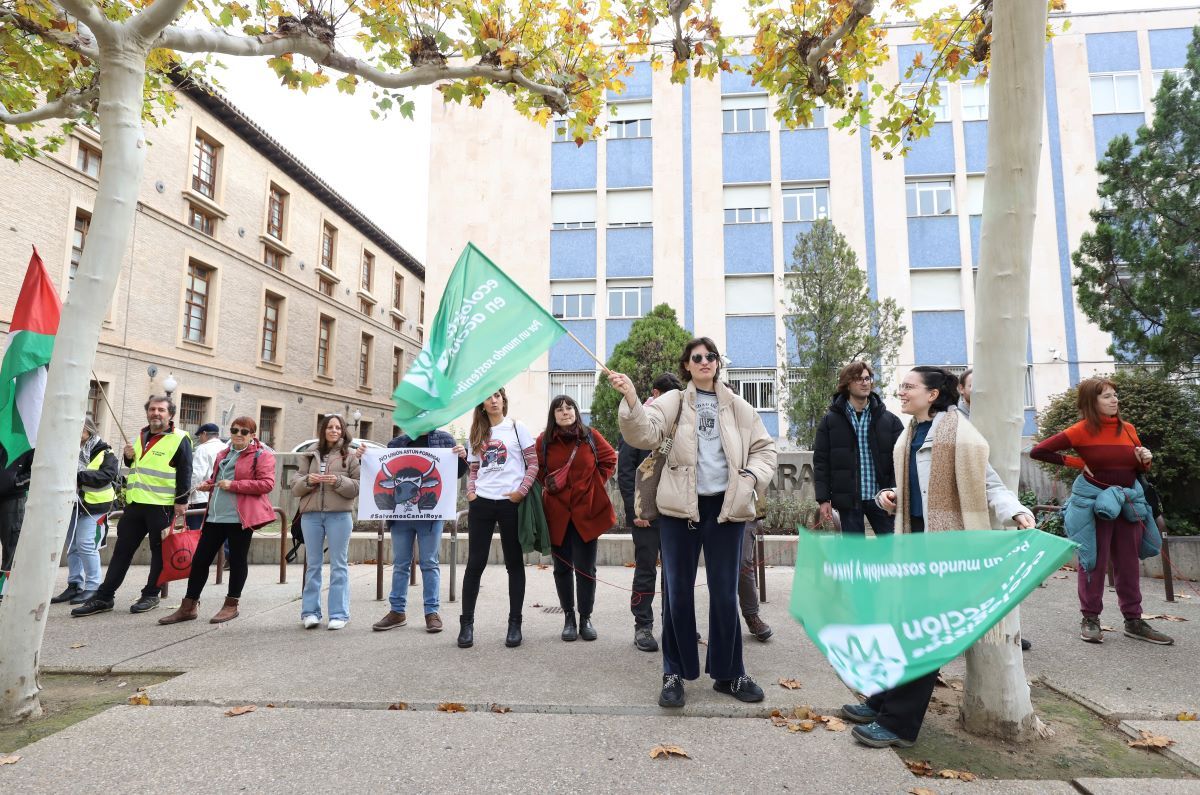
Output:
(835, 452)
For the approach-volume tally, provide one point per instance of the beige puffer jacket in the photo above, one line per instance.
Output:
(340, 496)
(744, 439)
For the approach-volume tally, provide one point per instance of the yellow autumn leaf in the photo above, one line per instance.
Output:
(451, 706)
(11, 759)
(1186, 716)
(790, 684)
(1151, 740)
(140, 699)
(667, 751)
(242, 710)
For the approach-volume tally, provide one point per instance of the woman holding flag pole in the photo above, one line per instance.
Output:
(943, 482)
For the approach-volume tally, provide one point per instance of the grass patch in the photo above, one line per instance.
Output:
(1083, 745)
(68, 699)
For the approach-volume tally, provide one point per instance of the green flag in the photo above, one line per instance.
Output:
(889, 610)
(486, 331)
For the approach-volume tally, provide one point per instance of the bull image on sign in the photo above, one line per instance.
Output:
(416, 484)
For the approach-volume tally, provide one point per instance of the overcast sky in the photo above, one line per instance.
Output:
(382, 167)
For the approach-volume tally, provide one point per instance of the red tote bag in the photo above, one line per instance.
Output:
(177, 551)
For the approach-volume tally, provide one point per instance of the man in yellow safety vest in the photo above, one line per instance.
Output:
(156, 496)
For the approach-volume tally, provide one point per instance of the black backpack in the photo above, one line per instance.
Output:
(298, 533)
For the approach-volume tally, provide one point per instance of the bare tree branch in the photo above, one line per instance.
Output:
(861, 10)
(68, 106)
(308, 45)
(680, 43)
(82, 41)
(153, 19)
(89, 14)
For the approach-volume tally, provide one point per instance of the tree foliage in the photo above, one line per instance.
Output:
(1137, 270)
(651, 349)
(1167, 421)
(832, 320)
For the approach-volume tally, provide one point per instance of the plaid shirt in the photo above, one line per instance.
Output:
(866, 464)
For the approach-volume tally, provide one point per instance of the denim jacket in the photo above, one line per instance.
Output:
(1089, 501)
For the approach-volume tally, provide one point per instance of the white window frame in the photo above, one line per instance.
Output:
(744, 113)
(747, 204)
(630, 119)
(948, 283)
(580, 386)
(572, 306)
(975, 189)
(1156, 76)
(940, 188)
(641, 294)
(762, 285)
(1098, 80)
(796, 197)
(638, 213)
(758, 386)
(941, 111)
(975, 98)
(571, 212)
(1030, 398)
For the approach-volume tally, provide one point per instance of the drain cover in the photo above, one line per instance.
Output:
(552, 609)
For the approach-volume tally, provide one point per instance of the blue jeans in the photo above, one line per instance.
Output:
(83, 553)
(332, 527)
(428, 535)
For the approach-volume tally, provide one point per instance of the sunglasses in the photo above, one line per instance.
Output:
(241, 431)
(704, 357)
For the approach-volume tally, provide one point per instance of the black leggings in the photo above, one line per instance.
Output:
(575, 570)
(482, 516)
(212, 536)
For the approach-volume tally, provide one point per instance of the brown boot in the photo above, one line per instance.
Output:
(227, 613)
(758, 628)
(186, 612)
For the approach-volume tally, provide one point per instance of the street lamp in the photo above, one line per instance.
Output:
(170, 384)
(357, 415)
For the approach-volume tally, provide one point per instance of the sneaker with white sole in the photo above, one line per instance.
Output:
(310, 622)
(338, 623)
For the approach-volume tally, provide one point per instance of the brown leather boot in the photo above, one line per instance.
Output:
(228, 612)
(186, 612)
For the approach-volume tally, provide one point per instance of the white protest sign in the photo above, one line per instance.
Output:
(416, 484)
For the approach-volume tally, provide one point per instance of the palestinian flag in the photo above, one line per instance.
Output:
(27, 358)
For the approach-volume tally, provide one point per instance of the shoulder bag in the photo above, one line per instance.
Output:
(649, 473)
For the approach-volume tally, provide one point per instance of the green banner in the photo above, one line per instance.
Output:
(486, 331)
(888, 610)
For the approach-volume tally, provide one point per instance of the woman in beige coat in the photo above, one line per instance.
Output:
(720, 456)
(327, 485)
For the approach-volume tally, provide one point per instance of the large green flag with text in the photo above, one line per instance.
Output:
(888, 610)
(486, 331)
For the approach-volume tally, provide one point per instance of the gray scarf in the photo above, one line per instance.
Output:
(87, 451)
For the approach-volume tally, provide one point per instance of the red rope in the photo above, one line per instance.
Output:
(636, 596)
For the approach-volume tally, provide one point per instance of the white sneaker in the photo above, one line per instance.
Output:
(337, 623)
(310, 621)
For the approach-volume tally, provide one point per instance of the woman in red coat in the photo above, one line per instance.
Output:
(574, 464)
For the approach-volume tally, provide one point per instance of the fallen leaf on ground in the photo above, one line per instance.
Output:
(398, 705)
(630, 565)
(140, 699)
(1107, 629)
(833, 724)
(270, 706)
(667, 751)
(543, 566)
(9, 760)
(1059, 577)
(790, 684)
(451, 706)
(1067, 568)
(1151, 740)
(1163, 616)
(370, 562)
(499, 710)
(921, 791)
(78, 645)
(919, 768)
(1186, 716)
(242, 710)
(778, 720)
(802, 726)
(960, 775)
(804, 712)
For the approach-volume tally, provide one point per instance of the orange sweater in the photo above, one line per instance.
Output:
(1107, 453)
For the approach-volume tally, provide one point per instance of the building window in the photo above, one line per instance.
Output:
(559, 132)
(630, 208)
(747, 204)
(1120, 92)
(940, 109)
(275, 209)
(325, 286)
(270, 327)
(328, 246)
(83, 221)
(272, 258)
(268, 421)
(805, 204)
(397, 366)
(575, 210)
(398, 292)
(629, 128)
(365, 343)
(580, 387)
(975, 101)
(818, 117)
(628, 301)
(756, 386)
(364, 430)
(193, 412)
(324, 346)
(87, 160)
(95, 404)
(365, 306)
(975, 194)
(740, 114)
(749, 295)
(421, 310)
(397, 324)
(201, 221)
(748, 215)
(1157, 76)
(420, 335)
(195, 302)
(573, 306)
(932, 197)
(204, 167)
(368, 270)
(935, 289)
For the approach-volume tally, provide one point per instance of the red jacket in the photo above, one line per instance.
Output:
(253, 481)
(585, 500)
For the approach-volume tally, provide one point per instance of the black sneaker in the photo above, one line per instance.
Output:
(144, 605)
(93, 606)
(643, 638)
(70, 593)
(743, 688)
(82, 597)
(672, 692)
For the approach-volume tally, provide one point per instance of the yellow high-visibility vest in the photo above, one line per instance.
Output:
(151, 480)
(95, 495)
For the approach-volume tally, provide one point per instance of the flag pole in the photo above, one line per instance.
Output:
(108, 405)
(586, 350)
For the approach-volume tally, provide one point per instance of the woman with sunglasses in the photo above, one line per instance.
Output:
(327, 485)
(721, 454)
(943, 482)
(240, 485)
(502, 462)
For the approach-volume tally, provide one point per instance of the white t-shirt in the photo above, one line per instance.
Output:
(502, 465)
